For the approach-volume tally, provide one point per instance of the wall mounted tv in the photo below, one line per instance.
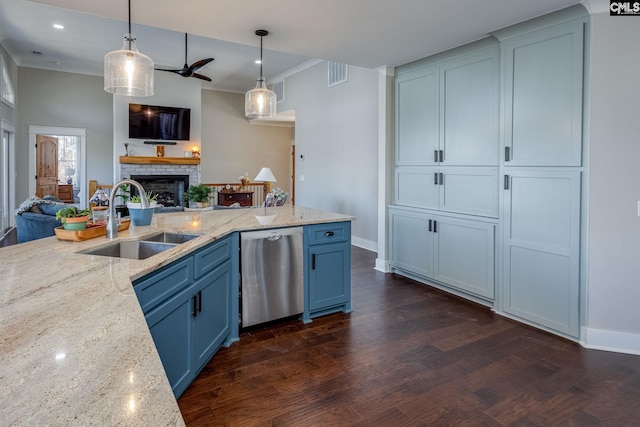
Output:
(160, 123)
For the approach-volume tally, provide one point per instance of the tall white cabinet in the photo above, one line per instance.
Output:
(443, 223)
(489, 171)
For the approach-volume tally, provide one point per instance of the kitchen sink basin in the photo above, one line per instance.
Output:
(131, 249)
(166, 237)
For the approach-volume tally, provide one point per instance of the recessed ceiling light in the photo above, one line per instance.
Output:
(258, 61)
(58, 26)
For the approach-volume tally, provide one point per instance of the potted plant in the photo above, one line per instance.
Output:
(138, 214)
(72, 218)
(135, 203)
(199, 194)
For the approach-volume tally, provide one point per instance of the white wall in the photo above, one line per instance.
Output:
(57, 99)
(614, 184)
(232, 146)
(336, 132)
(170, 90)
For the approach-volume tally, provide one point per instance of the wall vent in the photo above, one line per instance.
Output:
(338, 73)
(278, 88)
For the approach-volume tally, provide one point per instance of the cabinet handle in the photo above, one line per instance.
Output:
(313, 261)
(430, 225)
(441, 178)
(194, 312)
(506, 182)
(435, 226)
(507, 154)
(329, 234)
(441, 156)
(435, 156)
(435, 178)
(199, 301)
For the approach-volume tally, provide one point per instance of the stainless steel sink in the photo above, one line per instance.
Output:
(131, 249)
(167, 237)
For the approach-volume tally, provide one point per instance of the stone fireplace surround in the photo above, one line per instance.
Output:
(163, 171)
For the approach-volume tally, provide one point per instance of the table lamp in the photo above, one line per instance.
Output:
(265, 175)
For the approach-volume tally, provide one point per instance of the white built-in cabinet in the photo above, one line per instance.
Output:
(448, 113)
(489, 171)
(456, 252)
(446, 182)
(543, 88)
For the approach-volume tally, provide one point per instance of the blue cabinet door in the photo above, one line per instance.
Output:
(171, 325)
(329, 275)
(327, 269)
(213, 293)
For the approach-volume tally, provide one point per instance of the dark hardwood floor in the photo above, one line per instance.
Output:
(411, 355)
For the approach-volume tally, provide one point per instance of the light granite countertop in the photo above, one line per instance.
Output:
(75, 348)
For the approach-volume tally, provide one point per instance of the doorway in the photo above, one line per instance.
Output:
(70, 162)
(7, 176)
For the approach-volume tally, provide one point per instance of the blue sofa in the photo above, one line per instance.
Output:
(36, 218)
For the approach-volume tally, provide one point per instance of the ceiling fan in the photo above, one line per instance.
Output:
(190, 70)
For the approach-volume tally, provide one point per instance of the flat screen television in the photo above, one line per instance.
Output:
(160, 123)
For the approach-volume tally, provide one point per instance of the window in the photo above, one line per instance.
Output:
(68, 147)
(6, 88)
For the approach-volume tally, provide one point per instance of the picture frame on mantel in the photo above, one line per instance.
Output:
(7, 94)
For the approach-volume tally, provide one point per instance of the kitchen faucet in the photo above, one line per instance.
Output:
(112, 222)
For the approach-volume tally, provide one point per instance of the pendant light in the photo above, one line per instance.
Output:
(128, 72)
(260, 102)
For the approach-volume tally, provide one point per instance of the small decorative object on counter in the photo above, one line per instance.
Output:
(138, 215)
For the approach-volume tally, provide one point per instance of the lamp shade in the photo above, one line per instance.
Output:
(127, 71)
(259, 102)
(265, 175)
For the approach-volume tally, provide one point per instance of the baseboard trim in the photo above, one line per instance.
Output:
(364, 244)
(382, 265)
(614, 341)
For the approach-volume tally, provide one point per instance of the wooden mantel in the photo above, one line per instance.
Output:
(149, 160)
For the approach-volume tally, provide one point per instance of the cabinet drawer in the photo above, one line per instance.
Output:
(210, 257)
(329, 233)
(159, 286)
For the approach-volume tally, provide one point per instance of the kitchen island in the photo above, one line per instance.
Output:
(76, 349)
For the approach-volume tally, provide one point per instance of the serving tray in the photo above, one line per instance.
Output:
(91, 231)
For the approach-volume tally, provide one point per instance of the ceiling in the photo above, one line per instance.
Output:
(366, 33)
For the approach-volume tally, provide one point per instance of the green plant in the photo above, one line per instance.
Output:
(151, 197)
(71, 212)
(198, 193)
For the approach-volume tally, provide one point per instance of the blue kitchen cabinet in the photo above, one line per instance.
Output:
(189, 309)
(327, 269)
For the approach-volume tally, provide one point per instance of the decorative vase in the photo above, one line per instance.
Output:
(140, 216)
(76, 223)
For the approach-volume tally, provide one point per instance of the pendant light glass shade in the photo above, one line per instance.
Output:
(128, 72)
(260, 102)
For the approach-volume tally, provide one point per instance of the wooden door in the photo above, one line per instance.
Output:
(46, 166)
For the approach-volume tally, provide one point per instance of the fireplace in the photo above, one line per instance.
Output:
(169, 188)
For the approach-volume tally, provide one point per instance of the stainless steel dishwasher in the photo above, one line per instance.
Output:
(271, 274)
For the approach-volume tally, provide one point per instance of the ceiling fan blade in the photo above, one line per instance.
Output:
(166, 69)
(199, 64)
(201, 77)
